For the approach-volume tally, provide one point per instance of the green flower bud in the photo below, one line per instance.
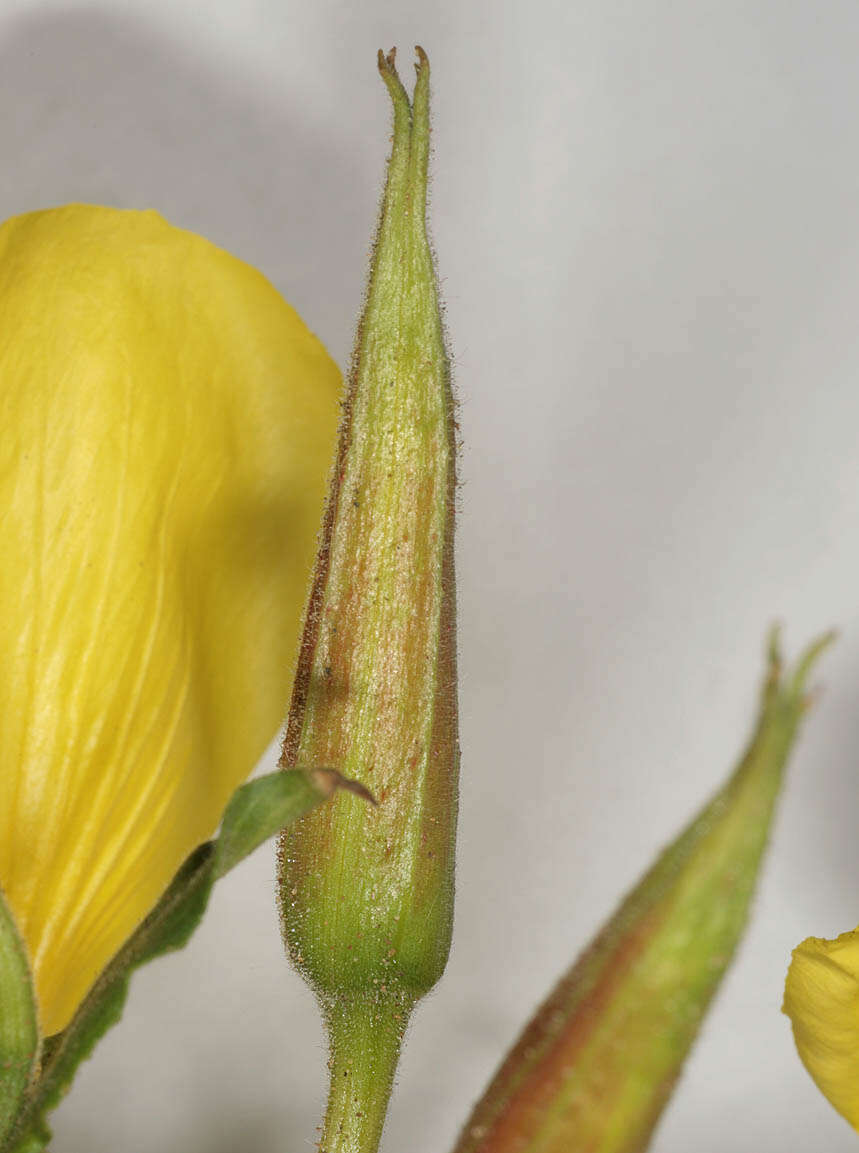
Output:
(595, 1067)
(367, 894)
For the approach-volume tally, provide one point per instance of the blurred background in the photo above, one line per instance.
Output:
(645, 221)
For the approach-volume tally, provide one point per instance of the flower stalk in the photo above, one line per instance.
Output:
(367, 895)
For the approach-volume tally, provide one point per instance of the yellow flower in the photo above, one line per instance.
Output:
(821, 998)
(168, 424)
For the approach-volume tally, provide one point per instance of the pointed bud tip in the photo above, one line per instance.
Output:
(774, 647)
(387, 62)
(808, 660)
(794, 688)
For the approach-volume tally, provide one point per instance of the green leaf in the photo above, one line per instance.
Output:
(263, 807)
(19, 1030)
(255, 812)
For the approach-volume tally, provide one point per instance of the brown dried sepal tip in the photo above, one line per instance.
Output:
(329, 781)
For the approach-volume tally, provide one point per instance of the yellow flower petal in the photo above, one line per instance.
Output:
(168, 425)
(821, 997)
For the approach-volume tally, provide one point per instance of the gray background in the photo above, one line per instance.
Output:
(645, 218)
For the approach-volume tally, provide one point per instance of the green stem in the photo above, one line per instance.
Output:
(364, 1040)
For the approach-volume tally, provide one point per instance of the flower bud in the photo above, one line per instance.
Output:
(595, 1067)
(367, 894)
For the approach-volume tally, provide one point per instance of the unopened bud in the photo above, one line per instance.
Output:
(367, 893)
(595, 1067)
